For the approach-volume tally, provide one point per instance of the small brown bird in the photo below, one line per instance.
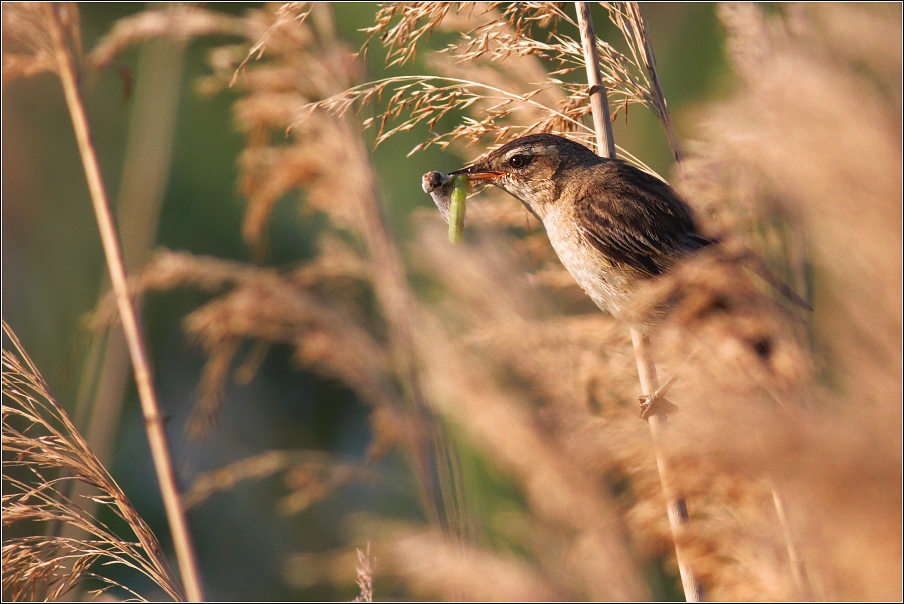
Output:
(611, 225)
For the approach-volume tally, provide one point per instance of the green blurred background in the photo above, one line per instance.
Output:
(53, 269)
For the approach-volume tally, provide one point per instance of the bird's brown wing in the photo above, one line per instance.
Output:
(635, 219)
(623, 246)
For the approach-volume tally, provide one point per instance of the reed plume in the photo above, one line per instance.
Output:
(43, 454)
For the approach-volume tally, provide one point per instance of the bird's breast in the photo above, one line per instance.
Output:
(605, 283)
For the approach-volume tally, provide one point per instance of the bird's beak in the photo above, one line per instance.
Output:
(477, 173)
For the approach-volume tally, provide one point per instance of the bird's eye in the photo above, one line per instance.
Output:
(519, 161)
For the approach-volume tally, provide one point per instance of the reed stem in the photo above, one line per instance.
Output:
(599, 103)
(163, 465)
(676, 506)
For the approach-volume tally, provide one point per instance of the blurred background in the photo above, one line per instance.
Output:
(54, 272)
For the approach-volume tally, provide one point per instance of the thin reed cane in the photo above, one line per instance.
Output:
(677, 508)
(145, 174)
(166, 474)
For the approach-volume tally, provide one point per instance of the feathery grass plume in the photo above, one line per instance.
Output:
(43, 454)
(365, 572)
(438, 571)
(812, 138)
(269, 171)
(500, 104)
(432, 452)
(179, 21)
(29, 37)
(266, 306)
(302, 62)
(298, 54)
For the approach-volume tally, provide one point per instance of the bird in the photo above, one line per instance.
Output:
(612, 225)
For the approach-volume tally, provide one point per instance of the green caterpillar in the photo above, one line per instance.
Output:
(460, 189)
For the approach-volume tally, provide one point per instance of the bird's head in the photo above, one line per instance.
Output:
(534, 168)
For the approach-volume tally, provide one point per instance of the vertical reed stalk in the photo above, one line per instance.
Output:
(144, 178)
(599, 103)
(677, 508)
(145, 174)
(675, 503)
(153, 421)
(638, 28)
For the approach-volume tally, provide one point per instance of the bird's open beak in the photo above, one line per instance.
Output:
(476, 173)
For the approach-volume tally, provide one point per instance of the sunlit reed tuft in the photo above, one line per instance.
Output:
(43, 454)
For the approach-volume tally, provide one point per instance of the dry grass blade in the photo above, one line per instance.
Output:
(628, 18)
(44, 453)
